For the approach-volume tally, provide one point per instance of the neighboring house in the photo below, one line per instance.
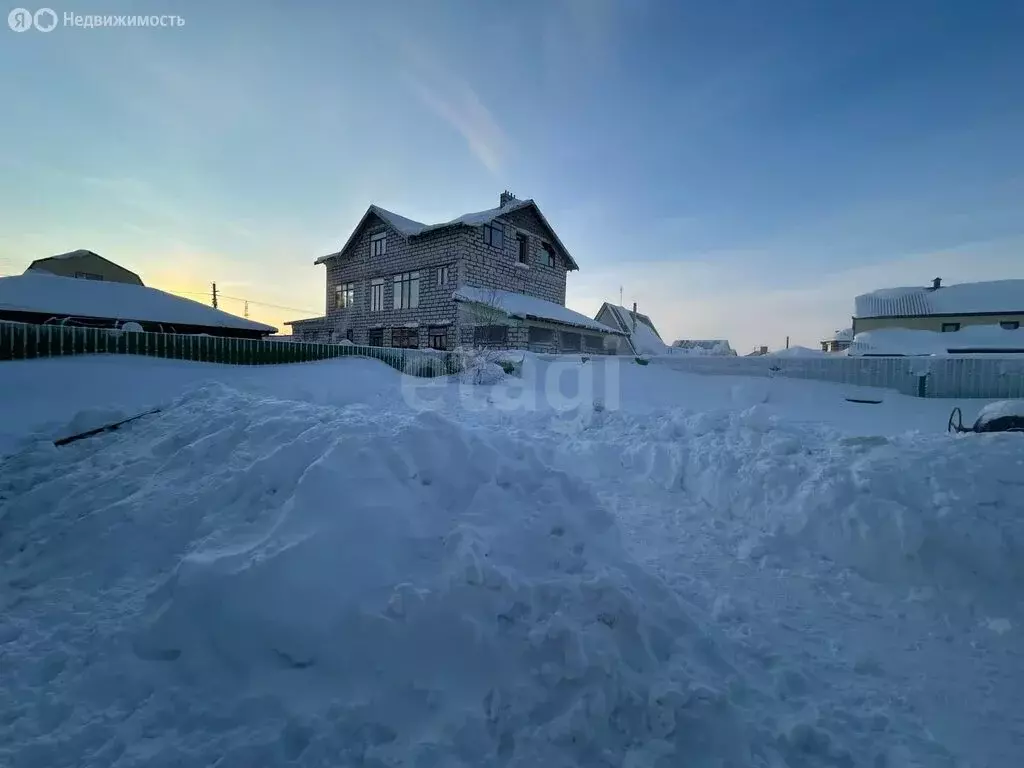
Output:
(401, 283)
(942, 308)
(640, 337)
(758, 352)
(705, 346)
(43, 299)
(84, 265)
(839, 341)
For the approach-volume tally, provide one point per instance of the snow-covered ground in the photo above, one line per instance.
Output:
(599, 564)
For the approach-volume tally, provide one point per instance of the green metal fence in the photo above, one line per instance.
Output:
(20, 341)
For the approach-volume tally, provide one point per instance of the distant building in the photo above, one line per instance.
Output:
(40, 298)
(758, 352)
(839, 341)
(941, 308)
(706, 346)
(84, 265)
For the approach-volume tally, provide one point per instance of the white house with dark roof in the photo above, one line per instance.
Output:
(490, 278)
(943, 308)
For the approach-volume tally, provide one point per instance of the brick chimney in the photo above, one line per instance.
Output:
(634, 315)
(506, 198)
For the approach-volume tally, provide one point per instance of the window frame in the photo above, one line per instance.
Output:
(404, 296)
(88, 276)
(494, 230)
(950, 327)
(487, 335)
(546, 256)
(1009, 325)
(377, 294)
(408, 333)
(375, 332)
(444, 270)
(378, 244)
(344, 295)
(563, 335)
(538, 334)
(437, 332)
(523, 247)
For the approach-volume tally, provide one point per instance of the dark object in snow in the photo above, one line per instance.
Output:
(641, 361)
(104, 428)
(859, 400)
(988, 421)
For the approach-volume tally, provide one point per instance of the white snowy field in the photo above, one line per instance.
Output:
(598, 565)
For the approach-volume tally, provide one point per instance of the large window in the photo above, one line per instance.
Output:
(437, 337)
(375, 338)
(950, 327)
(490, 335)
(406, 338)
(379, 244)
(344, 295)
(570, 341)
(593, 343)
(407, 290)
(494, 234)
(377, 294)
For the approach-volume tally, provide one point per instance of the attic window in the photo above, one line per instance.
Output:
(494, 234)
(950, 327)
(88, 276)
(546, 256)
(379, 244)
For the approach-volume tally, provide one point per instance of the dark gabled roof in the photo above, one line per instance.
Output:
(408, 228)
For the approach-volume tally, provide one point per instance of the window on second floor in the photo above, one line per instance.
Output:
(1009, 325)
(494, 234)
(444, 274)
(950, 327)
(524, 248)
(407, 290)
(377, 294)
(379, 244)
(546, 255)
(344, 295)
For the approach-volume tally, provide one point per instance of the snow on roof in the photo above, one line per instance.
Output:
(528, 307)
(904, 341)
(644, 337)
(846, 334)
(72, 255)
(410, 228)
(44, 293)
(994, 296)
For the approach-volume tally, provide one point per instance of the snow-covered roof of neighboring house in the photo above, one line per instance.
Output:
(995, 297)
(644, 337)
(528, 307)
(904, 341)
(701, 343)
(44, 293)
(409, 228)
(846, 334)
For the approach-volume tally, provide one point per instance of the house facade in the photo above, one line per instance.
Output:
(492, 278)
(85, 265)
(942, 308)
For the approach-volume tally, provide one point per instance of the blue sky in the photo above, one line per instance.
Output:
(741, 169)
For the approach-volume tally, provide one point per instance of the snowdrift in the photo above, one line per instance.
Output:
(272, 582)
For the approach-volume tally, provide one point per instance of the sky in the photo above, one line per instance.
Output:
(741, 170)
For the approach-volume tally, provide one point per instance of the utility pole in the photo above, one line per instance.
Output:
(214, 295)
(246, 313)
(787, 340)
(620, 295)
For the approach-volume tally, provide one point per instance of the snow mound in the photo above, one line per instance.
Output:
(1001, 409)
(251, 581)
(797, 351)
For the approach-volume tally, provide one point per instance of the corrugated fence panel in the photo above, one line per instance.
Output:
(950, 377)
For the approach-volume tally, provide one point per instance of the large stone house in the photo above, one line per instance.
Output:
(492, 278)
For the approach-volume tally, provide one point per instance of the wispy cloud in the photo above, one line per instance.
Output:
(455, 101)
